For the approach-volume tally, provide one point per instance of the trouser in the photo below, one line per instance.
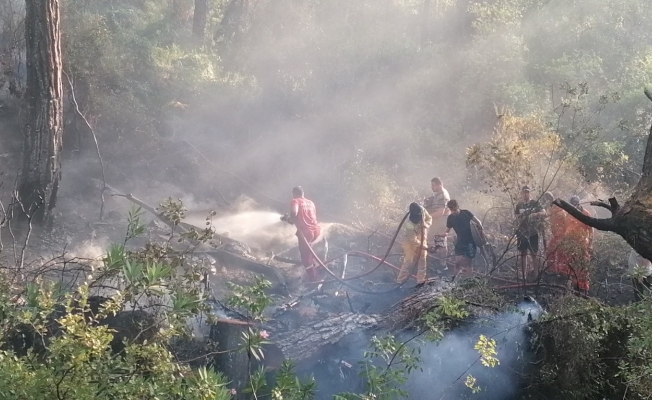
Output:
(410, 252)
(438, 228)
(642, 287)
(307, 258)
(572, 259)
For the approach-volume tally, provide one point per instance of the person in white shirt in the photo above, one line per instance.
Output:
(640, 269)
(436, 207)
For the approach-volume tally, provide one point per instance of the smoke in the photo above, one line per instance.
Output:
(90, 251)
(261, 229)
(447, 363)
(257, 228)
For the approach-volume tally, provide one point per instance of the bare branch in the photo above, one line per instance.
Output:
(648, 94)
(97, 146)
(647, 159)
(602, 204)
(614, 204)
(601, 224)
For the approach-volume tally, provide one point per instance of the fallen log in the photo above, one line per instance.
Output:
(405, 313)
(312, 341)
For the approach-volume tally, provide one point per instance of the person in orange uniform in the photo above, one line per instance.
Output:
(579, 239)
(415, 243)
(303, 215)
(557, 224)
(574, 253)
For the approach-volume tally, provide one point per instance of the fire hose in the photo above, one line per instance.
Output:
(380, 263)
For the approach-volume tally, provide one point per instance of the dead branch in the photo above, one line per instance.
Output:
(602, 224)
(601, 203)
(97, 146)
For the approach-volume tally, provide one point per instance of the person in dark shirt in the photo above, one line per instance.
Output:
(529, 220)
(465, 247)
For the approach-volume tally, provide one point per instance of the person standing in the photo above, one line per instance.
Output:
(529, 217)
(640, 269)
(415, 243)
(556, 222)
(303, 214)
(465, 246)
(575, 251)
(436, 207)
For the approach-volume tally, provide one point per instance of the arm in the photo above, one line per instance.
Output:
(294, 211)
(427, 219)
(477, 221)
(539, 211)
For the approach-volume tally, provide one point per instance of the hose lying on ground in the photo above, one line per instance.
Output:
(382, 261)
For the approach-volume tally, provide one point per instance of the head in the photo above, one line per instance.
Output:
(547, 198)
(297, 192)
(416, 213)
(575, 201)
(525, 193)
(453, 206)
(436, 185)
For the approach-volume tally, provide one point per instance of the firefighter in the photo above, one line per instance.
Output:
(576, 248)
(556, 218)
(303, 215)
(415, 243)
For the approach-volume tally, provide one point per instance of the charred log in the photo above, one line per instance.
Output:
(234, 360)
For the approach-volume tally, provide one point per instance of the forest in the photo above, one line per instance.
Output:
(155, 241)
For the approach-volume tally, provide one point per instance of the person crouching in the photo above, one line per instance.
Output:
(415, 243)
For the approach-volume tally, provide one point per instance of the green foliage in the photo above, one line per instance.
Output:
(252, 299)
(487, 349)
(73, 351)
(446, 309)
(134, 227)
(396, 361)
(589, 349)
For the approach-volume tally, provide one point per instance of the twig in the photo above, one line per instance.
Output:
(97, 146)
(348, 299)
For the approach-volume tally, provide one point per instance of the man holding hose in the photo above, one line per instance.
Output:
(415, 243)
(303, 215)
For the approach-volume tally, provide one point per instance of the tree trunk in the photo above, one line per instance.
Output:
(633, 220)
(199, 19)
(41, 169)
